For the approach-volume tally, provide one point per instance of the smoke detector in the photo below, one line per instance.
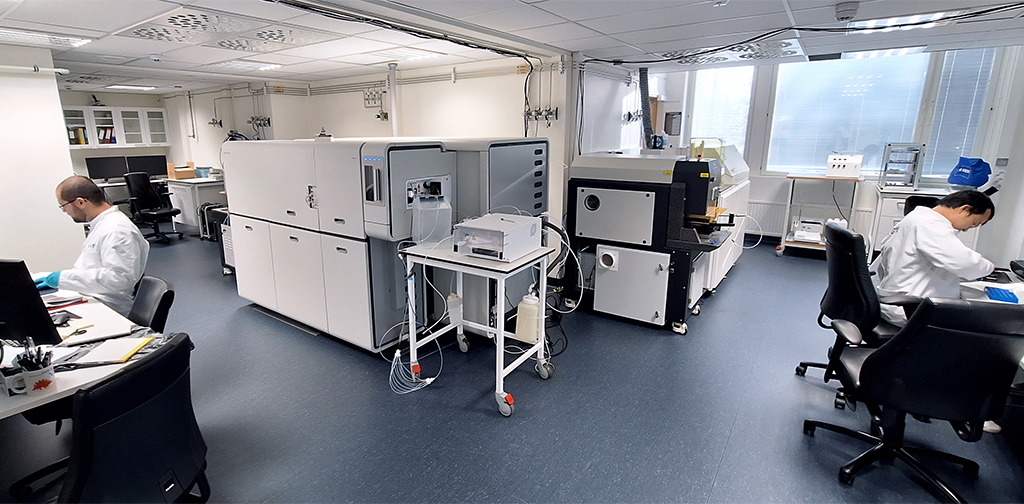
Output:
(845, 11)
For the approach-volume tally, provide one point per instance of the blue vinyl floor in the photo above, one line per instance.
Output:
(632, 414)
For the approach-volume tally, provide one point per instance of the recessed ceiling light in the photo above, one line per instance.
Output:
(131, 88)
(903, 51)
(44, 39)
(903, 23)
(405, 53)
(247, 65)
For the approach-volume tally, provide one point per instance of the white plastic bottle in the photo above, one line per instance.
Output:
(527, 318)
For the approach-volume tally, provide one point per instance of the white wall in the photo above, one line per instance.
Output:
(36, 158)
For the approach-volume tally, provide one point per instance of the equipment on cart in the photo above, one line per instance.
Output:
(642, 227)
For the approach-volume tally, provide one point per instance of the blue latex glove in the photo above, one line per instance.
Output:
(50, 281)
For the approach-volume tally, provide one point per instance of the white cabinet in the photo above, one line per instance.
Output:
(338, 199)
(106, 127)
(734, 199)
(298, 275)
(254, 262)
(347, 284)
(273, 181)
(188, 194)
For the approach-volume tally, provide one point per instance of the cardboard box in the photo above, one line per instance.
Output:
(181, 173)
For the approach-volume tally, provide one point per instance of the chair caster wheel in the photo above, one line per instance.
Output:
(971, 470)
(696, 310)
(546, 370)
(844, 478)
(840, 403)
(801, 370)
(809, 428)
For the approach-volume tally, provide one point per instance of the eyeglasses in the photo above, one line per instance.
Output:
(66, 204)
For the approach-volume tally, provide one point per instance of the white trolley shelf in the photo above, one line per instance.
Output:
(788, 240)
(443, 257)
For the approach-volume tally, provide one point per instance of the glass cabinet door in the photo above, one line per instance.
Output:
(104, 122)
(74, 120)
(131, 123)
(157, 130)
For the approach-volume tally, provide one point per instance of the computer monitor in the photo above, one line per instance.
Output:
(155, 166)
(106, 167)
(22, 312)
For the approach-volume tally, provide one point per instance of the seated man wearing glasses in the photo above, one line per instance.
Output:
(114, 254)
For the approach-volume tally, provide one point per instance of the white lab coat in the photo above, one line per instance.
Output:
(923, 257)
(113, 259)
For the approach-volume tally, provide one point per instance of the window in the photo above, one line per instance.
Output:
(721, 104)
(848, 106)
(958, 108)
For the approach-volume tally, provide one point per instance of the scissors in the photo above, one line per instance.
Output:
(80, 330)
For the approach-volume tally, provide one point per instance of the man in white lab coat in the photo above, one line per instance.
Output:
(923, 256)
(114, 254)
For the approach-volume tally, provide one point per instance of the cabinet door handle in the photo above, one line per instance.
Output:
(343, 250)
(248, 228)
(294, 239)
(290, 212)
(901, 204)
(339, 221)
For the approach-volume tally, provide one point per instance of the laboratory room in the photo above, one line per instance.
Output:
(512, 251)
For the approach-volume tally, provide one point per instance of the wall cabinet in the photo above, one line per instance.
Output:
(105, 127)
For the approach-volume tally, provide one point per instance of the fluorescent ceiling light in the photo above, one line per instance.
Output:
(44, 39)
(247, 65)
(883, 53)
(406, 53)
(903, 23)
(131, 88)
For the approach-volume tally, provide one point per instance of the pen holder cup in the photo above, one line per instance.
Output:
(39, 382)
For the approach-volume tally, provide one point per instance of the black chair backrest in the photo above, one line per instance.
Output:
(153, 299)
(135, 436)
(954, 360)
(915, 201)
(850, 295)
(143, 192)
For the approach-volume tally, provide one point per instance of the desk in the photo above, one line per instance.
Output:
(788, 239)
(106, 322)
(188, 194)
(443, 257)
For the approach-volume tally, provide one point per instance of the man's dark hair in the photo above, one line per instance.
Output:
(977, 201)
(81, 187)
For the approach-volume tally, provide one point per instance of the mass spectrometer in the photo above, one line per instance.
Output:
(642, 227)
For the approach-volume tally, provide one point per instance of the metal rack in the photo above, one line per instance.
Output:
(901, 166)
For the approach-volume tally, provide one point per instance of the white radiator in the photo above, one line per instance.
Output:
(769, 215)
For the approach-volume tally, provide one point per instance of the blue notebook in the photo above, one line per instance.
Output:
(997, 294)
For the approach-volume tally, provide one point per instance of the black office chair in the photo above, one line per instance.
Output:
(851, 296)
(954, 360)
(153, 299)
(915, 201)
(149, 207)
(135, 437)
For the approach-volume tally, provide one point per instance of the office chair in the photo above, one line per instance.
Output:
(851, 296)
(954, 360)
(153, 298)
(915, 201)
(134, 437)
(148, 206)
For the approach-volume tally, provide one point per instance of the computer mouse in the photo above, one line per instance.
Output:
(60, 318)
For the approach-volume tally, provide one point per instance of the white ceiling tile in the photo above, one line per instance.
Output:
(460, 9)
(347, 72)
(584, 44)
(576, 10)
(155, 82)
(101, 15)
(58, 30)
(440, 46)
(557, 33)
(318, 22)
(336, 48)
(164, 64)
(430, 62)
(362, 59)
(259, 9)
(202, 55)
(127, 46)
(276, 58)
(518, 17)
(315, 66)
(392, 37)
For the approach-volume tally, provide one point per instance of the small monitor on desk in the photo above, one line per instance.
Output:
(22, 312)
(105, 168)
(155, 166)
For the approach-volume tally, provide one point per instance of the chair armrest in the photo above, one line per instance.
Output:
(848, 331)
(120, 202)
(909, 303)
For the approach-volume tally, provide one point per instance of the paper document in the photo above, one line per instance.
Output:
(114, 350)
(61, 298)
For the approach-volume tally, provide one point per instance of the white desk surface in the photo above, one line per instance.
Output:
(106, 323)
(443, 252)
(195, 181)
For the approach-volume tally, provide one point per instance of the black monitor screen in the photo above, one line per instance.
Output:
(155, 166)
(22, 313)
(106, 167)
